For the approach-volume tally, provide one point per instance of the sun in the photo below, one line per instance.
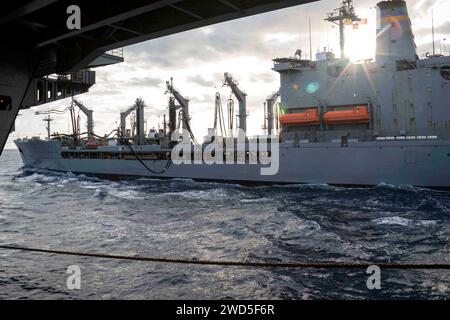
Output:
(360, 39)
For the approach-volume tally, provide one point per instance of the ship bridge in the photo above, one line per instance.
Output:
(43, 59)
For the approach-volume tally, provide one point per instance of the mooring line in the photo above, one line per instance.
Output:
(293, 265)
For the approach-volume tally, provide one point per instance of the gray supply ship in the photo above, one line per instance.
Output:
(378, 121)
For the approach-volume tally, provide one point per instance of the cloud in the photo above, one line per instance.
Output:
(200, 80)
(205, 98)
(265, 77)
(148, 82)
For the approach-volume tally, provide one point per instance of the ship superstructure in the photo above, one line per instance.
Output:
(397, 95)
(339, 122)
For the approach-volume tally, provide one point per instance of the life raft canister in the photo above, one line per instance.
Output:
(309, 117)
(357, 114)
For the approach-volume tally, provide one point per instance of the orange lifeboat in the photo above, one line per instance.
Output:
(359, 114)
(308, 118)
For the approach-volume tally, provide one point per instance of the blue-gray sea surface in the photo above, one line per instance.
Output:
(187, 219)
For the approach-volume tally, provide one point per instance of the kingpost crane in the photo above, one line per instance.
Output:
(123, 118)
(269, 104)
(90, 118)
(139, 108)
(184, 103)
(242, 99)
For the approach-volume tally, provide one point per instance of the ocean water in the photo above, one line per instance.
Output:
(187, 219)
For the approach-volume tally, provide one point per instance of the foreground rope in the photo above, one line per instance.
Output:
(294, 265)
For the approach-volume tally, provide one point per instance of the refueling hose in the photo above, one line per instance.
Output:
(166, 167)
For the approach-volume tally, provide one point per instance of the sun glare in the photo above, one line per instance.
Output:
(360, 38)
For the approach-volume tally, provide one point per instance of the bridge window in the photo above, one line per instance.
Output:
(5, 103)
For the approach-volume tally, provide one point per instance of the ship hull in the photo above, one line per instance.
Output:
(417, 163)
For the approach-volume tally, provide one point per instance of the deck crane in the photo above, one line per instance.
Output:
(123, 119)
(184, 106)
(137, 107)
(184, 103)
(140, 121)
(242, 99)
(86, 111)
(90, 118)
(270, 102)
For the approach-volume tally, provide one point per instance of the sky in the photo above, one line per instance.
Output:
(197, 60)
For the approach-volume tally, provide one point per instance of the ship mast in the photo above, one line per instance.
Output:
(432, 30)
(48, 119)
(345, 16)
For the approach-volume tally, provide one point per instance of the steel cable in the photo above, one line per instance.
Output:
(291, 265)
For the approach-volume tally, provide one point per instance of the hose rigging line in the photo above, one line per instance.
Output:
(85, 133)
(219, 117)
(223, 128)
(53, 111)
(230, 114)
(166, 167)
(69, 136)
(216, 111)
(102, 137)
(188, 127)
(286, 265)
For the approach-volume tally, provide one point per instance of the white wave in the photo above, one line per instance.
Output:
(213, 194)
(42, 176)
(182, 179)
(99, 193)
(307, 186)
(69, 180)
(39, 178)
(427, 222)
(28, 178)
(400, 187)
(149, 179)
(256, 200)
(102, 190)
(172, 226)
(128, 194)
(393, 221)
(399, 221)
(91, 186)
